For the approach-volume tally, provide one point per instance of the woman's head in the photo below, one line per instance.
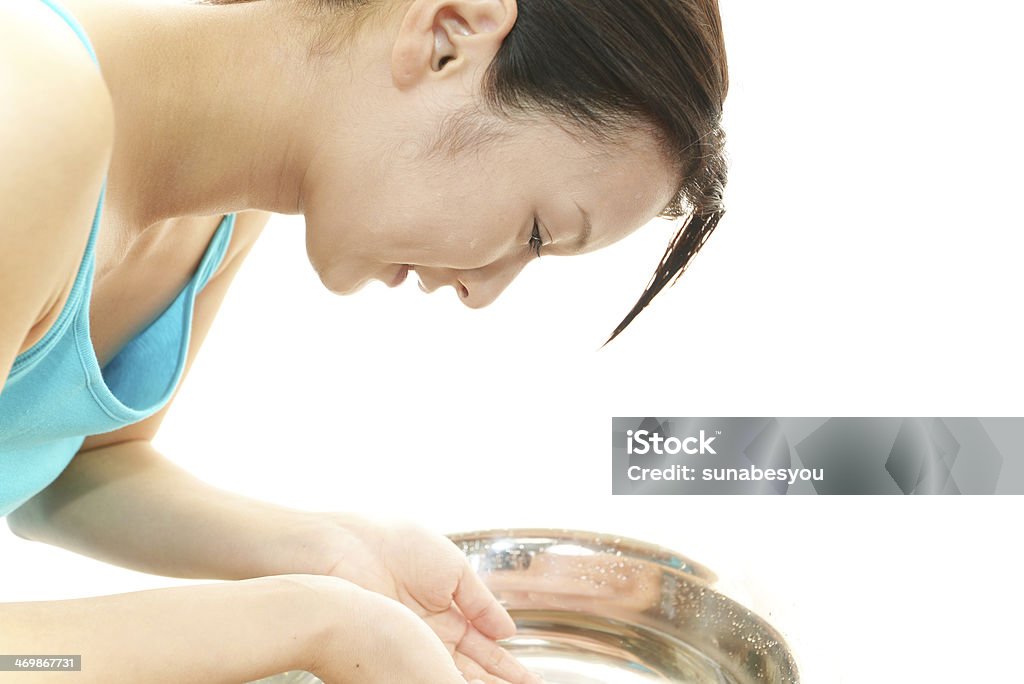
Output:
(464, 122)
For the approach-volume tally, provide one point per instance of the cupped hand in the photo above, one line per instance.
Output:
(428, 573)
(372, 638)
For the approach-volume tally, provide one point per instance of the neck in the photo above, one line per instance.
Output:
(209, 106)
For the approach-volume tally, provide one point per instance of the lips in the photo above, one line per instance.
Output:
(400, 277)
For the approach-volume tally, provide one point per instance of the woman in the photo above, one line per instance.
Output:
(459, 139)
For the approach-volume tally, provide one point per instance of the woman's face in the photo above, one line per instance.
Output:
(399, 179)
(467, 220)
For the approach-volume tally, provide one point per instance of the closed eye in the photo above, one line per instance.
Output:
(536, 241)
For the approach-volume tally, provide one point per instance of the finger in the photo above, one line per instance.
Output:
(449, 626)
(494, 659)
(480, 607)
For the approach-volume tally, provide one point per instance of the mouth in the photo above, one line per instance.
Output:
(400, 277)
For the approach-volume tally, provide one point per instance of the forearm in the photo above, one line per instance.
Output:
(226, 632)
(128, 505)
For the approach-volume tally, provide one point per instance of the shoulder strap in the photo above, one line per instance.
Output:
(75, 26)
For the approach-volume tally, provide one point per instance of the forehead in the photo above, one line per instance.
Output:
(616, 185)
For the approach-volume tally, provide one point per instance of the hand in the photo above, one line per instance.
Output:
(372, 638)
(427, 573)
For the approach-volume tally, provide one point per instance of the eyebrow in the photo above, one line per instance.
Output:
(588, 228)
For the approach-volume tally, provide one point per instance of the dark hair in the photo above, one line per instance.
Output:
(604, 65)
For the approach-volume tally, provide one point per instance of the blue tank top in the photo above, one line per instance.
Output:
(56, 394)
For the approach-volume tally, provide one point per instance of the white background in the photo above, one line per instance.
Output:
(869, 265)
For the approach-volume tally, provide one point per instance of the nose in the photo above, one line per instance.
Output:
(481, 286)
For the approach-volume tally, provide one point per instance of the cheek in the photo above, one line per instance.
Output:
(438, 214)
(474, 236)
(459, 226)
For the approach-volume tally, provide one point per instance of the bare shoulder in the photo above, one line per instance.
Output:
(41, 56)
(56, 136)
(57, 122)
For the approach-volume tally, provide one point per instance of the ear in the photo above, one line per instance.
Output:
(442, 37)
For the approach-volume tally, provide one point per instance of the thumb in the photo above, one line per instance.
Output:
(480, 606)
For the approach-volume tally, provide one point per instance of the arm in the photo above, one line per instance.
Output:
(146, 514)
(127, 505)
(230, 632)
(233, 631)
